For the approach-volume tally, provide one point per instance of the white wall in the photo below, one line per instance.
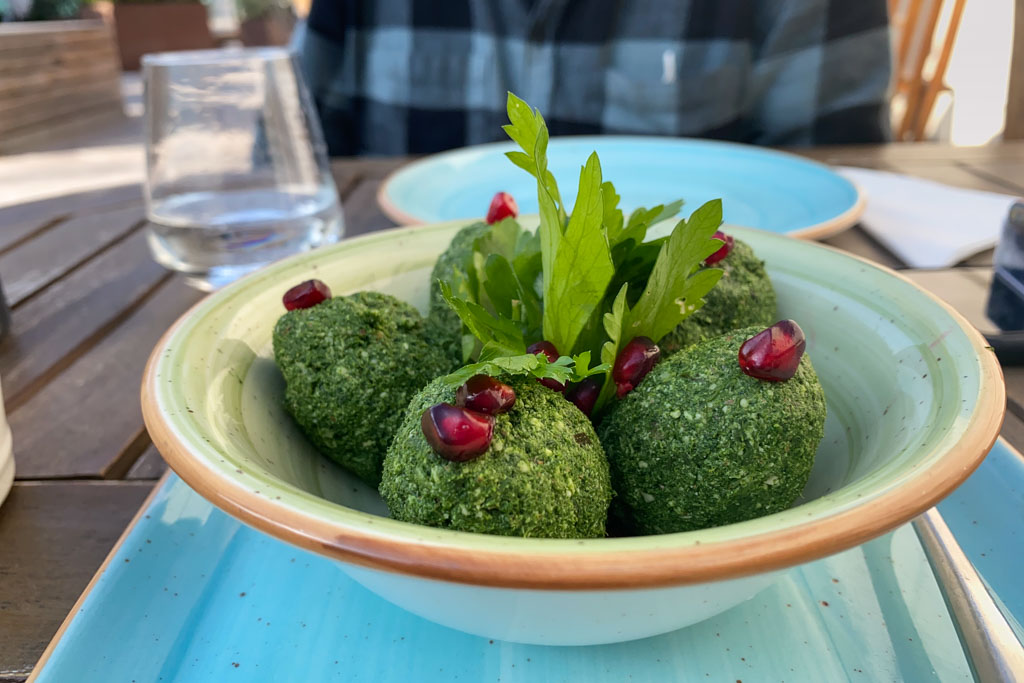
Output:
(979, 71)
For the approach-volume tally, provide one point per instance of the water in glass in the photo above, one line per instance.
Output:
(237, 172)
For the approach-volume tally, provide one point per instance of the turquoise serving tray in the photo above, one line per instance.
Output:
(190, 594)
(760, 188)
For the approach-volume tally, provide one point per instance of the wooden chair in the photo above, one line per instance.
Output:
(921, 58)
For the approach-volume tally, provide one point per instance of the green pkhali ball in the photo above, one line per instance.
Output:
(544, 475)
(458, 255)
(700, 444)
(351, 364)
(744, 296)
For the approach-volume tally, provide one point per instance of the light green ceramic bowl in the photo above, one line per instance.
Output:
(915, 401)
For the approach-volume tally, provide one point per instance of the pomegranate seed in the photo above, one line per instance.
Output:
(774, 354)
(723, 251)
(584, 395)
(306, 295)
(633, 363)
(485, 394)
(456, 433)
(549, 350)
(502, 206)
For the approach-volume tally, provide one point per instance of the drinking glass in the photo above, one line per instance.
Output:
(236, 166)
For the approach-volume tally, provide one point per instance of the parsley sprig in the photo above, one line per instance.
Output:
(587, 281)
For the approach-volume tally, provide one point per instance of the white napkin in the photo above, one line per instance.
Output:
(928, 224)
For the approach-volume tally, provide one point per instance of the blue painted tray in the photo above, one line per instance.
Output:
(189, 594)
(760, 188)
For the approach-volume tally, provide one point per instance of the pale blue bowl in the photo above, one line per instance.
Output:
(760, 188)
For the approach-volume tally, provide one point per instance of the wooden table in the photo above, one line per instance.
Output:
(89, 304)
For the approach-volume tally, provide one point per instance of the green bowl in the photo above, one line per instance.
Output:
(915, 401)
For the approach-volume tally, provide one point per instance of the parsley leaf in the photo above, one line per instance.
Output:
(497, 331)
(612, 213)
(564, 369)
(614, 320)
(582, 266)
(526, 127)
(673, 291)
(523, 364)
(557, 284)
(582, 369)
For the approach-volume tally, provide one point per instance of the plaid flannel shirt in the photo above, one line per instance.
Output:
(419, 76)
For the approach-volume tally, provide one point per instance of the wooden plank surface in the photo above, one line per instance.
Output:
(53, 535)
(21, 221)
(1006, 172)
(82, 421)
(362, 214)
(50, 330)
(53, 72)
(64, 247)
(878, 156)
(150, 465)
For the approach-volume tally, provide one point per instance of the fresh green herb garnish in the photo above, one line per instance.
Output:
(587, 281)
(563, 370)
(582, 266)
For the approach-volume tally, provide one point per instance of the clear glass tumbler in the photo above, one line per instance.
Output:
(237, 172)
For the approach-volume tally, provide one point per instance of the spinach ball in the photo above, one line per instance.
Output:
(700, 444)
(351, 364)
(447, 328)
(544, 474)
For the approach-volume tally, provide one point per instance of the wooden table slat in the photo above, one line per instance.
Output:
(150, 465)
(923, 153)
(20, 220)
(950, 174)
(52, 329)
(362, 215)
(1006, 172)
(79, 424)
(40, 261)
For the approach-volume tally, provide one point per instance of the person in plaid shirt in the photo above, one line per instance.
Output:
(421, 76)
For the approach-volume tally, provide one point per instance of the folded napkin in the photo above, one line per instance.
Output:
(928, 224)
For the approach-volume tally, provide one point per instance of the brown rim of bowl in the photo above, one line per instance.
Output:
(606, 568)
(819, 231)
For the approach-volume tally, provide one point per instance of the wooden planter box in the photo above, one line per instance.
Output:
(275, 29)
(54, 74)
(159, 27)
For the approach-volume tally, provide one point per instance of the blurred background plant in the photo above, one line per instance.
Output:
(265, 22)
(257, 9)
(39, 10)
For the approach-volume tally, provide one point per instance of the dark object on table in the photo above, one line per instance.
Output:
(1006, 297)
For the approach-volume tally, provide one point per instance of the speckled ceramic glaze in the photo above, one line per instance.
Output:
(760, 188)
(915, 401)
(190, 595)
